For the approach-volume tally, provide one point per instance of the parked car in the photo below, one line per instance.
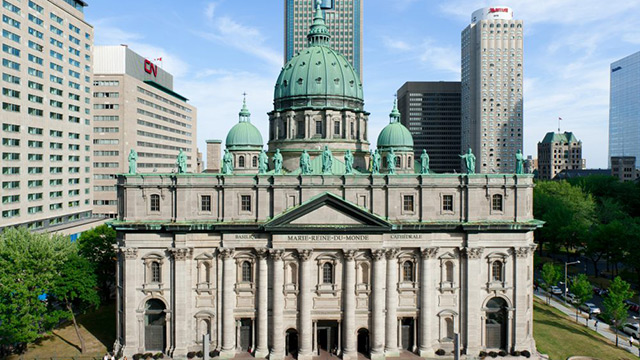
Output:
(590, 308)
(571, 298)
(632, 329)
(632, 306)
(555, 290)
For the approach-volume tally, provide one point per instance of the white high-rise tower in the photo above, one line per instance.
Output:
(492, 89)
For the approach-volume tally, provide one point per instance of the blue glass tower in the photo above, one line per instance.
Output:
(624, 107)
(343, 18)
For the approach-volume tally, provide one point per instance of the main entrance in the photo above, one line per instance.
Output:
(246, 335)
(496, 324)
(364, 346)
(155, 334)
(292, 342)
(407, 334)
(327, 336)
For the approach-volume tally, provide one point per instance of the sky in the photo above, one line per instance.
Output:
(218, 50)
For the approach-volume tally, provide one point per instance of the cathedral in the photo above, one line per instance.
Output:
(319, 244)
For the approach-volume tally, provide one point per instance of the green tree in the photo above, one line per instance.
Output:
(581, 288)
(615, 310)
(550, 276)
(29, 264)
(96, 245)
(75, 287)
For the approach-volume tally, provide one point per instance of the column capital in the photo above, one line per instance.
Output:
(181, 253)
(391, 253)
(276, 254)
(378, 254)
(262, 253)
(473, 253)
(349, 255)
(226, 253)
(522, 252)
(304, 254)
(130, 253)
(429, 252)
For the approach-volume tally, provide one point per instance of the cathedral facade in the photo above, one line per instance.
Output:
(331, 248)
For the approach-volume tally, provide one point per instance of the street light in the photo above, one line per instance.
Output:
(565, 278)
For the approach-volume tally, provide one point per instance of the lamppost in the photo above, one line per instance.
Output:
(565, 278)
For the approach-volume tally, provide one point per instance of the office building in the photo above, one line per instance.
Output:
(492, 89)
(344, 20)
(318, 257)
(624, 168)
(624, 108)
(431, 112)
(46, 115)
(558, 152)
(135, 108)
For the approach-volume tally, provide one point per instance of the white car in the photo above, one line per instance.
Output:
(555, 290)
(632, 329)
(571, 298)
(590, 308)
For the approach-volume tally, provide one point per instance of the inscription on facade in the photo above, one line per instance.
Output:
(406, 237)
(327, 237)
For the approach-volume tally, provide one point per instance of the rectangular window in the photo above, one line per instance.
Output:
(55, 79)
(10, 64)
(56, 18)
(407, 203)
(36, 20)
(35, 131)
(35, 183)
(205, 203)
(11, 213)
(56, 55)
(11, 184)
(35, 98)
(447, 202)
(9, 6)
(10, 79)
(35, 112)
(10, 50)
(35, 144)
(10, 170)
(11, 93)
(55, 182)
(35, 33)
(10, 127)
(10, 107)
(35, 72)
(10, 21)
(55, 30)
(11, 36)
(35, 6)
(10, 156)
(245, 203)
(318, 127)
(35, 157)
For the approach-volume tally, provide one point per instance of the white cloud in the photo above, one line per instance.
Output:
(210, 10)
(396, 44)
(428, 53)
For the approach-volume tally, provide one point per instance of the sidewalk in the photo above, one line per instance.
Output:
(603, 329)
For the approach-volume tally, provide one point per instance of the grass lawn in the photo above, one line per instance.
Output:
(560, 337)
(98, 329)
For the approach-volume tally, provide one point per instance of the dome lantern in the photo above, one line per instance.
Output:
(319, 33)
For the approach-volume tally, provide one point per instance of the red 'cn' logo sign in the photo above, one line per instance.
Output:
(496, 10)
(150, 68)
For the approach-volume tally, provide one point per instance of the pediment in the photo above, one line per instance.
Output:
(327, 212)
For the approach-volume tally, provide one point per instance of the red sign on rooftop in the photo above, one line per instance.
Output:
(150, 68)
(498, 10)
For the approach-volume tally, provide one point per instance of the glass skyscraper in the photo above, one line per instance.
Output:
(344, 20)
(624, 108)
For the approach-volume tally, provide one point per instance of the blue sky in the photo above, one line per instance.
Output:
(217, 50)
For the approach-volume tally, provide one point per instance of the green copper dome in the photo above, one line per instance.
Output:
(318, 76)
(395, 135)
(244, 134)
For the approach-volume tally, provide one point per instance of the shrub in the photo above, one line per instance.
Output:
(440, 352)
(137, 356)
(199, 354)
(148, 355)
(158, 355)
(191, 354)
(526, 354)
(502, 353)
(212, 353)
(515, 353)
(493, 354)
(483, 354)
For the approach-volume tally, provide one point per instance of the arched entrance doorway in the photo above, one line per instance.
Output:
(292, 342)
(496, 324)
(155, 334)
(363, 342)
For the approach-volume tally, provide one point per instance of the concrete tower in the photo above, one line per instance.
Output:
(492, 89)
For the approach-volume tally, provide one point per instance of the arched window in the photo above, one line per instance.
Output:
(364, 273)
(154, 203)
(336, 128)
(246, 271)
(293, 273)
(496, 203)
(496, 270)
(155, 272)
(254, 162)
(448, 323)
(448, 271)
(398, 162)
(241, 161)
(407, 271)
(409, 162)
(327, 273)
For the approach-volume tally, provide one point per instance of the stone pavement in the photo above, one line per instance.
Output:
(603, 329)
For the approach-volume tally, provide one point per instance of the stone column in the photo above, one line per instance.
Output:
(305, 326)
(349, 311)
(427, 297)
(391, 331)
(181, 290)
(130, 341)
(277, 311)
(262, 345)
(378, 304)
(521, 286)
(473, 301)
(228, 295)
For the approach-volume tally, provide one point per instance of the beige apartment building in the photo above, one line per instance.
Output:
(136, 108)
(492, 89)
(46, 115)
(558, 152)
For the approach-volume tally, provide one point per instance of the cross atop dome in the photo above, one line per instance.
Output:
(245, 115)
(395, 113)
(318, 32)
